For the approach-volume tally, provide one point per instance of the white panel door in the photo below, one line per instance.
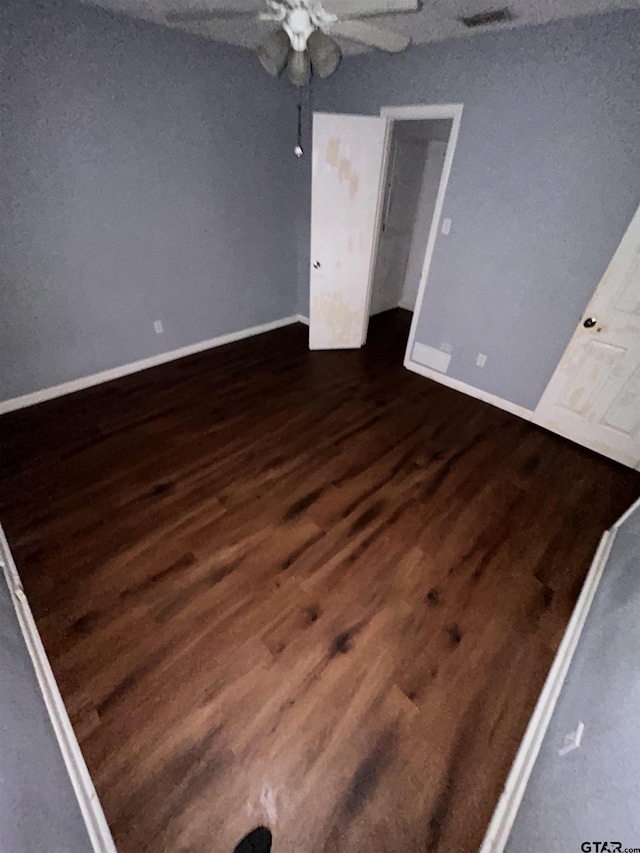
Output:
(594, 395)
(346, 171)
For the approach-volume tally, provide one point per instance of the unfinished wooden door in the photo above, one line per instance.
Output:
(593, 397)
(346, 170)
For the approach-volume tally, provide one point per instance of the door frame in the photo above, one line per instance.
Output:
(414, 112)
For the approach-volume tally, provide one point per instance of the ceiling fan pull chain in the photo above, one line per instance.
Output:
(298, 151)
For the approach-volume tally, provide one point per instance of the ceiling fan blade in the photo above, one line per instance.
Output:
(222, 13)
(346, 9)
(372, 36)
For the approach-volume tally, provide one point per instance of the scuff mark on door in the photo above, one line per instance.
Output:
(333, 152)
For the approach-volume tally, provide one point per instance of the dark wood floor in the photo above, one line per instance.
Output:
(311, 590)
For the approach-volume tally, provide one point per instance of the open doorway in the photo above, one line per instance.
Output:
(414, 167)
(349, 177)
(412, 173)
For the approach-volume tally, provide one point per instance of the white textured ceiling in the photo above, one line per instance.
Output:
(437, 19)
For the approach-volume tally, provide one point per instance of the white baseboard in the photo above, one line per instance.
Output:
(302, 319)
(97, 827)
(503, 817)
(135, 366)
(485, 396)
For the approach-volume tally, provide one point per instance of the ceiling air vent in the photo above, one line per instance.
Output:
(485, 19)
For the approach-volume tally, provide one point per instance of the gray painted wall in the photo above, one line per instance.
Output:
(545, 180)
(303, 199)
(39, 812)
(593, 793)
(145, 174)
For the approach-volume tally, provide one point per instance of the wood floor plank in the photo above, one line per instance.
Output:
(311, 590)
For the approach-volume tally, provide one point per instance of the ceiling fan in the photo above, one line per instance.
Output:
(303, 39)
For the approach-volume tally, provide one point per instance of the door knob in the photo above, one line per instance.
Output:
(589, 322)
(316, 266)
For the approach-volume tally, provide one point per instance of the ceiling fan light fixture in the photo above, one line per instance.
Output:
(324, 52)
(299, 67)
(273, 52)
